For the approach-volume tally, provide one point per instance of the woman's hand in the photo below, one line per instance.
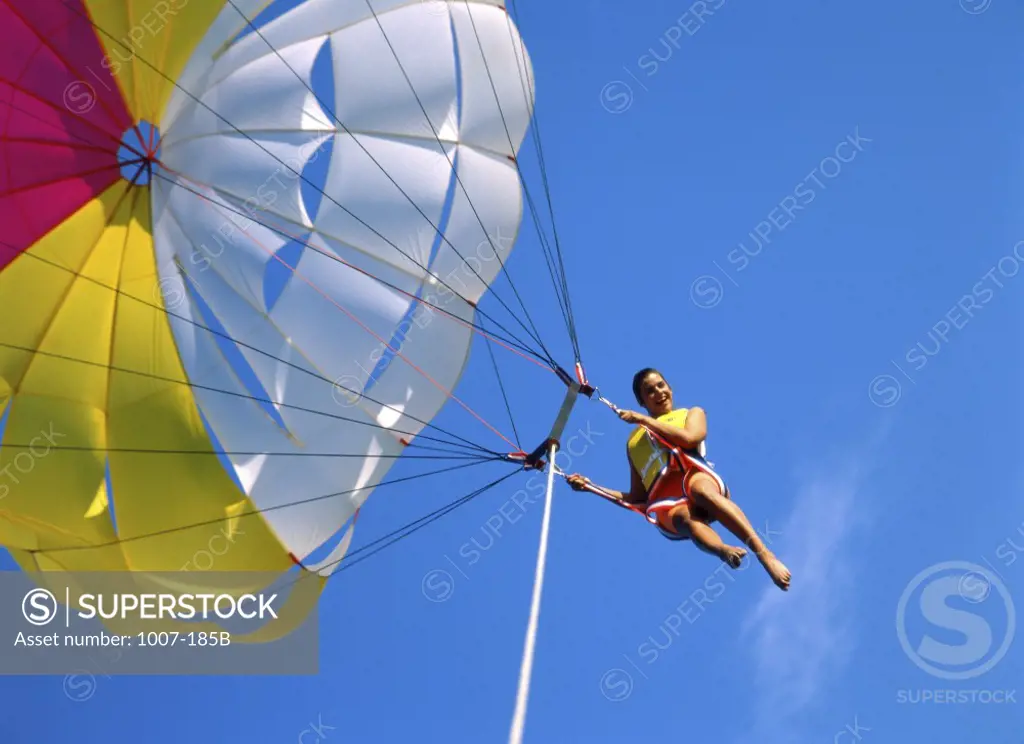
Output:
(577, 482)
(632, 417)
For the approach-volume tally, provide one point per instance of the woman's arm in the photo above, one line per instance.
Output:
(637, 494)
(688, 437)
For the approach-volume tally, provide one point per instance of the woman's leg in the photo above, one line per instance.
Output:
(705, 492)
(703, 536)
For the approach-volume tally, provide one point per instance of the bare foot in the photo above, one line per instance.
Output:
(776, 569)
(733, 556)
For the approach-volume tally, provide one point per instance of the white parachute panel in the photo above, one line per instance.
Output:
(372, 248)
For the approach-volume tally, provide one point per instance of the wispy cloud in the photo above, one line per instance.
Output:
(801, 638)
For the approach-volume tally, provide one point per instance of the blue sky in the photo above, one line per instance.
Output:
(660, 169)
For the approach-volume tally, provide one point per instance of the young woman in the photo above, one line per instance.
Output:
(679, 491)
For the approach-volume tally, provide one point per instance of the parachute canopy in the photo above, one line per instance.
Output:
(229, 242)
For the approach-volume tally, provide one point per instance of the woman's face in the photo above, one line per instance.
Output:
(656, 394)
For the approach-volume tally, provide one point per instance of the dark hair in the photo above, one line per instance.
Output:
(638, 381)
